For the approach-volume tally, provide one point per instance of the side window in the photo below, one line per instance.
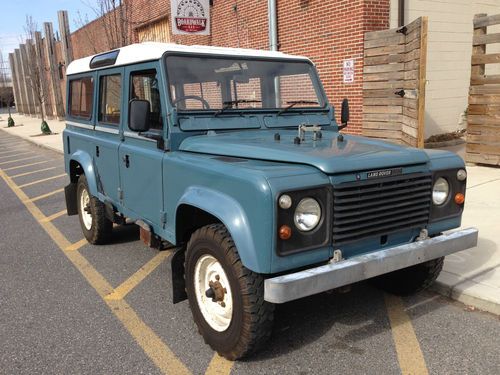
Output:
(144, 86)
(110, 99)
(81, 93)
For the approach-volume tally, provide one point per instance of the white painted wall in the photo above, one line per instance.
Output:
(448, 55)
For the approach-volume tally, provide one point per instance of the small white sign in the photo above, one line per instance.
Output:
(349, 71)
(190, 17)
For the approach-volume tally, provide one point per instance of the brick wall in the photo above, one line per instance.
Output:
(327, 31)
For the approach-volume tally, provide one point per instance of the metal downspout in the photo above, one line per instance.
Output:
(273, 43)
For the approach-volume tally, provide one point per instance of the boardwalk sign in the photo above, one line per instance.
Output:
(190, 17)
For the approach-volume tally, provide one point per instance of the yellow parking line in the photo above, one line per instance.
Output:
(219, 366)
(32, 172)
(42, 180)
(152, 345)
(15, 155)
(25, 165)
(15, 161)
(37, 198)
(121, 291)
(76, 245)
(410, 356)
(54, 216)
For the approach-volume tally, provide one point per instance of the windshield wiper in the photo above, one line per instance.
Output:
(229, 104)
(293, 103)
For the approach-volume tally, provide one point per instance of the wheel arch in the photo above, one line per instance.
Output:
(214, 206)
(81, 163)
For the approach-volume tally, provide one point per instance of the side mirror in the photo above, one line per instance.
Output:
(138, 115)
(344, 114)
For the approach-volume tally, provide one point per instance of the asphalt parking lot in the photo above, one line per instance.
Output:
(67, 307)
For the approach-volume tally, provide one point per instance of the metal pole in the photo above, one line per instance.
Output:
(273, 44)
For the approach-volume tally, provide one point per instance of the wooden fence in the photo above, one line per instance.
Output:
(483, 117)
(394, 83)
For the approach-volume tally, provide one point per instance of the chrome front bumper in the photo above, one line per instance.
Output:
(334, 275)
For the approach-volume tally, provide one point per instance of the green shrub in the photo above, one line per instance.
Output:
(10, 122)
(45, 128)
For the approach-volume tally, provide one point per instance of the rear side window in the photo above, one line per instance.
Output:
(110, 89)
(81, 92)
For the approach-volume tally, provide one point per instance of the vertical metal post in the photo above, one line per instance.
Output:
(273, 43)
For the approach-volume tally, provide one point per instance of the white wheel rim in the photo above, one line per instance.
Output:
(85, 202)
(217, 314)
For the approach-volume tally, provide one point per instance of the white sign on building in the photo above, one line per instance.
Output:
(190, 17)
(349, 71)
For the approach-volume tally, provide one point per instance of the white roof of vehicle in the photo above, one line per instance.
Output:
(149, 51)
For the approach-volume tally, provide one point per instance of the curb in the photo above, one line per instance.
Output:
(29, 139)
(465, 291)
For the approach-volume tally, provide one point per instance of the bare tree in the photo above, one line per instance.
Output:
(36, 70)
(6, 89)
(113, 18)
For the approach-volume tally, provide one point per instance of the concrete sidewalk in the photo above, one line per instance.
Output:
(471, 276)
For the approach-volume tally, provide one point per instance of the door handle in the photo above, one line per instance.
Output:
(97, 151)
(126, 160)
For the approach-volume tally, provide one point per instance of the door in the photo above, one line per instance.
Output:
(139, 154)
(107, 137)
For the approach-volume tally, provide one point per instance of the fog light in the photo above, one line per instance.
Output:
(459, 198)
(285, 232)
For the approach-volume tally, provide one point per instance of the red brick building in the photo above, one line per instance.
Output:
(327, 31)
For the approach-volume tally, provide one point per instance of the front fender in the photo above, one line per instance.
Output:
(87, 164)
(232, 215)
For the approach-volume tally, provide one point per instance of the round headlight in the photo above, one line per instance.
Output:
(307, 214)
(440, 191)
(285, 201)
(461, 175)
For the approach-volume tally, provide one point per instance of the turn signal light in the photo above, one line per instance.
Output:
(285, 232)
(459, 198)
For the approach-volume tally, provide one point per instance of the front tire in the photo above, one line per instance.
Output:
(96, 227)
(412, 279)
(226, 299)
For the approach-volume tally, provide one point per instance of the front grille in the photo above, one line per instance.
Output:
(371, 208)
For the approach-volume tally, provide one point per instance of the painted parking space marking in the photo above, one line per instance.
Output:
(151, 344)
(32, 172)
(5, 157)
(410, 357)
(25, 165)
(15, 161)
(46, 195)
(121, 291)
(76, 245)
(42, 180)
(54, 216)
(13, 150)
(219, 366)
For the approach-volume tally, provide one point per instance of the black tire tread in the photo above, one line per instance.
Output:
(100, 233)
(412, 279)
(259, 314)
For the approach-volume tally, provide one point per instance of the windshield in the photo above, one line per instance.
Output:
(200, 83)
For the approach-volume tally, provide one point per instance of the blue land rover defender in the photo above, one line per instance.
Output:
(234, 159)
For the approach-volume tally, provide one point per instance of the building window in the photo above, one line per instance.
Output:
(81, 95)
(110, 99)
(144, 86)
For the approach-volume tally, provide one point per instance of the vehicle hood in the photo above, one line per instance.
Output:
(328, 154)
